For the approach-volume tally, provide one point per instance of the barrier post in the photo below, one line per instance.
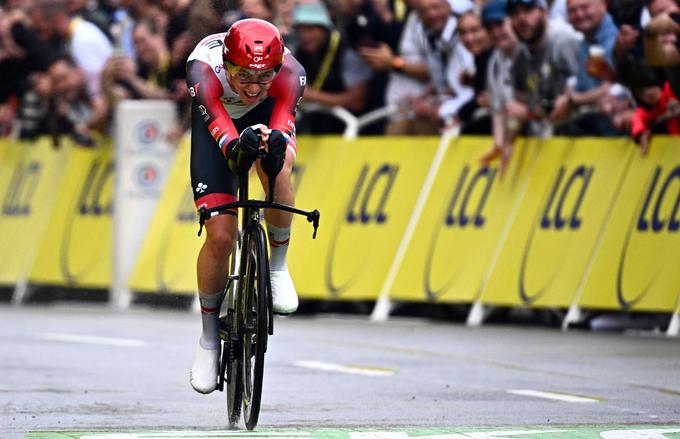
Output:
(143, 156)
(383, 305)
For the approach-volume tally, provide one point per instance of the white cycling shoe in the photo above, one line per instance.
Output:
(203, 375)
(284, 296)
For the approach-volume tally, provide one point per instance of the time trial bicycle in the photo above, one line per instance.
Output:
(246, 319)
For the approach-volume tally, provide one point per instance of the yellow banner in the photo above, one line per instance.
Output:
(463, 223)
(570, 195)
(365, 190)
(76, 249)
(29, 177)
(637, 265)
(167, 261)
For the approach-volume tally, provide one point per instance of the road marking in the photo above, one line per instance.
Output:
(583, 432)
(91, 339)
(199, 435)
(551, 395)
(356, 370)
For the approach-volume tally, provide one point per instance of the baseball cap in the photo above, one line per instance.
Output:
(312, 14)
(494, 11)
(530, 3)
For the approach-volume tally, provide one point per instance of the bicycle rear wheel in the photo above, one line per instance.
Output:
(255, 311)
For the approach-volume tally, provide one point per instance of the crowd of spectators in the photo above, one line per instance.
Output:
(491, 67)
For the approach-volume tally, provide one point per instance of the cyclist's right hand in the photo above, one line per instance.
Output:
(244, 151)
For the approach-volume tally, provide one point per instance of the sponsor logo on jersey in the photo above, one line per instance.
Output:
(303, 80)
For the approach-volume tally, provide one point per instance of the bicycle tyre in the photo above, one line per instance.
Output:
(235, 384)
(256, 311)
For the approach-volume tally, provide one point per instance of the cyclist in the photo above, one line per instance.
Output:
(245, 87)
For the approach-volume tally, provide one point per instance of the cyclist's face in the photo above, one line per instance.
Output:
(250, 85)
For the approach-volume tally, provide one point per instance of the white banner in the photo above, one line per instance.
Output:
(143, 158)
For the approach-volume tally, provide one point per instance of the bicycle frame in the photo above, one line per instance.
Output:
(233, 330)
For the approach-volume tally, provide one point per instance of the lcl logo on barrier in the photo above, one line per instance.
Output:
(554, 208)
(650, 214)
(464, 210)
(19, 196)
(457, 212)
(91, 201)
(94, 201)
(553, 218)
(366, 206)
(358, 207)
(650, 219)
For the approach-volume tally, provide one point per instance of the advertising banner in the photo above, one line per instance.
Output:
(569, 199)
(365, 190)
(637, 265)
(463, 223)
(143, 159)
(76, 248)
(30, 174)
(167, 259)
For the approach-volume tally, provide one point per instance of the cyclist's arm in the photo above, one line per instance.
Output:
(287, 89)
(206, 89)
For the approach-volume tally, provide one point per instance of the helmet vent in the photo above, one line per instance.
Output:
(258, 41)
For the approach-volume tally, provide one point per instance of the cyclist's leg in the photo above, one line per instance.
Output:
(284, 296)
(278, 222)
(212, 185)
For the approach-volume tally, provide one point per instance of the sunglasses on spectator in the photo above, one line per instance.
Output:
(243, 74)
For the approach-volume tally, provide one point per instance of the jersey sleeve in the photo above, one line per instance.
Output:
(287, 90)
(206, 90)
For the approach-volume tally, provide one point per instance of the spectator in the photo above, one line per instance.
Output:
(146, 77)
(85, 44)
(662, 44)
(21, 56)
(658, 112)
(448, 61)
(499, 79)
(581, 106)
(90, 11)
(262, 9)
(544, 62)
(70, 107)
(408, 73)
(335, 73)
(374, 27)
(474, 114)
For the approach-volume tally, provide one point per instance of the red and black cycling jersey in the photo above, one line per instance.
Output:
(219, 104)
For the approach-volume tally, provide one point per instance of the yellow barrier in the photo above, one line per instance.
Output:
(76, 248)
(30, 174)
(588, 222)
(551, 239)
(463, 223)
(637, 267)
(365, 191)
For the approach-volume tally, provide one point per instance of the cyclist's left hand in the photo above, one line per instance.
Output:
(276, 143)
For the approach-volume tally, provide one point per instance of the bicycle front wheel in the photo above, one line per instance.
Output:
(232, 369)
(255, 311)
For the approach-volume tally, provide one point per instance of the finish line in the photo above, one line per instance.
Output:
(556, 432)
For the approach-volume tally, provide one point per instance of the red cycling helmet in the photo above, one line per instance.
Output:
(254, 44)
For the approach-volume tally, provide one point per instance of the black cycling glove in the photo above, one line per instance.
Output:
(243, 152)
(273, 163)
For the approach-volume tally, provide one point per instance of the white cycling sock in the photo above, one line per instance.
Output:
(278, 247)
(210, 318)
